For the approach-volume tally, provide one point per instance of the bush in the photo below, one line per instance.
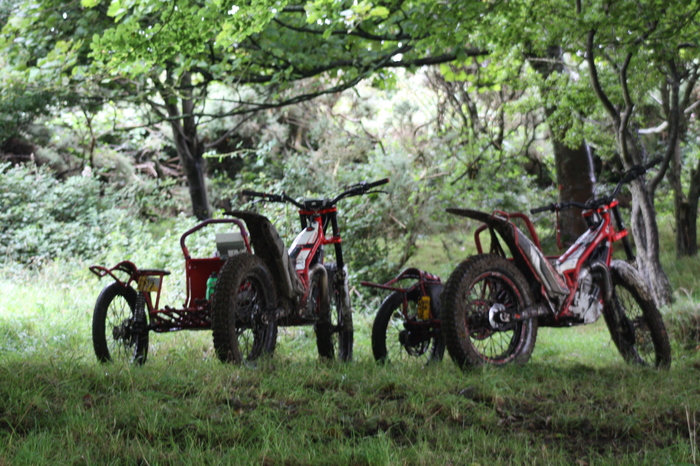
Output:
(43, 218)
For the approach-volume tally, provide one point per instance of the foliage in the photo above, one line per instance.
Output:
(20, 106)
(43, 218)
(154, 54)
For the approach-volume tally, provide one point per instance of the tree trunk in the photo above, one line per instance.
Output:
(189, 148)
(575, 180)
(574, 166)
(687, 217)
(685, 207)
(686, 228)
(191, 157)
(644, 227)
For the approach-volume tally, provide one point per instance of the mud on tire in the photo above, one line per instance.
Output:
(474, 287)
(243, 325)
(634, 321)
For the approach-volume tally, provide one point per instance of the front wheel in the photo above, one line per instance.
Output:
(478, 290)
(635, 323)
(398, 334)
(242, 325)
(119, 327)
(334, 331)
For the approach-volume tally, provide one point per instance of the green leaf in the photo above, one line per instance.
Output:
(379, 11)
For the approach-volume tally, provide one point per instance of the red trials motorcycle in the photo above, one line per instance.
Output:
(269, 286)
(407, 325)
(492, 305)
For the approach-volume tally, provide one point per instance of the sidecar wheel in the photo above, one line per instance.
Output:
(243, 323)
(475, 287)
(116, 333)
(396, 337)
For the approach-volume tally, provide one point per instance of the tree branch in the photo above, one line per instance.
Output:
(595, 80)
(673, 118)
(629, 107)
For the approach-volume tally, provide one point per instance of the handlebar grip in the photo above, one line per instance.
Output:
(374, 184)
(247, 192)
(547, 208)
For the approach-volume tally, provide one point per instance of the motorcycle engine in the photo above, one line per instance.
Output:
(586, 304)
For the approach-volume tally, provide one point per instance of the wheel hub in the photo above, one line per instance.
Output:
(415, 341)
(124, 332)
(496, 317)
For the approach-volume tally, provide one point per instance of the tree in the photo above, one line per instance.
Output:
(573, 162)
(678, 90)
(167, 55)
(618, 48)
(655, 35)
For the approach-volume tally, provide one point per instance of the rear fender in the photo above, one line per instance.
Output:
(268, 245)
(526, 255)
(506, 234)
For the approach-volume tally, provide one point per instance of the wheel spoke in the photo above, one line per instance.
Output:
(492, 344)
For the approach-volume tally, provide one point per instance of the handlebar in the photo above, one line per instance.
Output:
(630, 175)
(357, 189)
(548, 208)
(374, 184)
(271, 197)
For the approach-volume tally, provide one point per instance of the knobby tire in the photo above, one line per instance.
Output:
(117, 335)
(397, 338)
(242, 310)
(635, 323)
(334, 330)
(476, 285)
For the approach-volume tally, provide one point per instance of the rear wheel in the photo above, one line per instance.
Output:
(242, 325)
(402, 337)
(479, 290)
(119, 327)
(635, 323)
(334, 331)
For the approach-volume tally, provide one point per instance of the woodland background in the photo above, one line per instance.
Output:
(124, 122)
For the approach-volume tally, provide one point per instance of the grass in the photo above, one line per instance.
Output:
(575, 402)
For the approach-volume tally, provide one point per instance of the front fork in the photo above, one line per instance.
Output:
(342, 292)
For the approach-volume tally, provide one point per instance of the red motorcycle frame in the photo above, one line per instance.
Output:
(271, 286)
(493, 303)
(124, 316)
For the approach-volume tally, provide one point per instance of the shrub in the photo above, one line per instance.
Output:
(43, 218)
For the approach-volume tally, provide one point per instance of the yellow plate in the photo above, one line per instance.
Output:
(424, 308)
(149, 283)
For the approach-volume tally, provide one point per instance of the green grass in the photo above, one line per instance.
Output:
(575, 402)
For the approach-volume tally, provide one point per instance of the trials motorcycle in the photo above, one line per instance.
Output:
(267, 285)
(494, 302)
